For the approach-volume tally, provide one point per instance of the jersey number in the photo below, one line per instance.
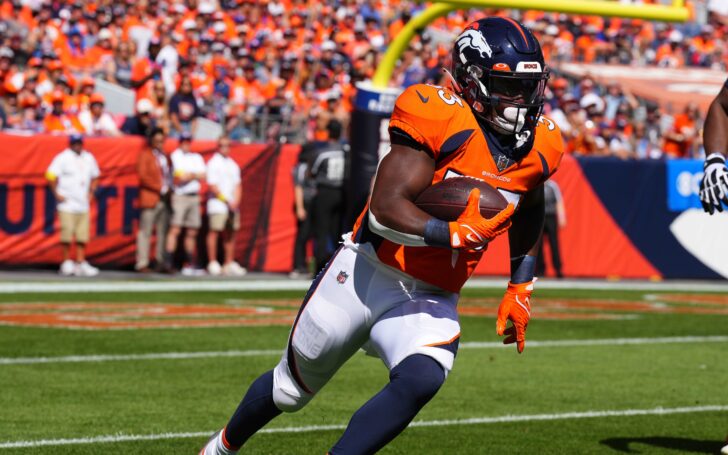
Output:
(335, 169)
(549, 124)
(448, 98)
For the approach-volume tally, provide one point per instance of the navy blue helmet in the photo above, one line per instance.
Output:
(500, 72)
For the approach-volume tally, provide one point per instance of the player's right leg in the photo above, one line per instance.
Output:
(331, 326)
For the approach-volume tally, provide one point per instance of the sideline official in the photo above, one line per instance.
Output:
(304, 190)
(327, 170)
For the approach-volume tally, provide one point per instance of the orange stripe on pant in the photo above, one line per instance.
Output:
(443, 343)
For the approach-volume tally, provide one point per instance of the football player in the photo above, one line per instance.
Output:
(714, 186)
(393, 286)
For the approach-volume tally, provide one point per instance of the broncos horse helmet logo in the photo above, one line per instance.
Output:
(473, 39)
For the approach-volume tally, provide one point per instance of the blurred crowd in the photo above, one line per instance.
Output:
(289, 66)
(609, 121)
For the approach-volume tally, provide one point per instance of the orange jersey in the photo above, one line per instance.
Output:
(62, 124)
(445, 126)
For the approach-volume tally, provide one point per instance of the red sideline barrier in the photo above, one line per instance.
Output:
(29, 227)
(592, 243)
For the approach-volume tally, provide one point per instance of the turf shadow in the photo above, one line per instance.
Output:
(664, 442)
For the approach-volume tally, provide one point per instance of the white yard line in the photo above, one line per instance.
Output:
(76, 286)
(420, 423)
(274, 352)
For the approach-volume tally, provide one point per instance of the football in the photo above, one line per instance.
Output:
(446, 200)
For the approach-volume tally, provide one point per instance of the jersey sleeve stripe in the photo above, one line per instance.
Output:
(545, 165)
(410, 130)
(454, 142)
(401, 137)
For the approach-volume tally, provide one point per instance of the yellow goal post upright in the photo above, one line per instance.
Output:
(374, 99)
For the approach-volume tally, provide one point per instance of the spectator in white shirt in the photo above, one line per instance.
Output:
(188, 168)
(95, 120)
(223, 209)
(73, 176)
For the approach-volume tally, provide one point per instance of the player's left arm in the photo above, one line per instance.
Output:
(714, 186)
(524, 238)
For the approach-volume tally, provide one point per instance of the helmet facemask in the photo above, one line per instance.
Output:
(510, 102)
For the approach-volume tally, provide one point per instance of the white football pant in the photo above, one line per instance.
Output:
(358, 302)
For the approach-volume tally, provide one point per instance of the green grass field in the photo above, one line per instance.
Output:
(556, 394)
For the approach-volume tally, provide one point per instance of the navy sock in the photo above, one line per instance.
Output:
(412, 384)
(256, 410)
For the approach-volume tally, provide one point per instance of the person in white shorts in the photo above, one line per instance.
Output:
(223, 209)
(188, 169)
(73, 175)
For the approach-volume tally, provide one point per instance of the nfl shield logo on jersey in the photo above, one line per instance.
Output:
(502, 163)
(341, 277)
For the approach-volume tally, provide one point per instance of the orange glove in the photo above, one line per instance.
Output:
(472, 231)
(516, 307)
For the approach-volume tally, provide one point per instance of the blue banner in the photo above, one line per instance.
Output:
(683, 184)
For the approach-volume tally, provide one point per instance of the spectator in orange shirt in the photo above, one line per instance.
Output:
(703, 46)
(588, 46)
(247, 90)
(145, 70)
(57, 121)
(84, 95)
(97, 57)
(54, 73)
(670, 54)
(679, 141)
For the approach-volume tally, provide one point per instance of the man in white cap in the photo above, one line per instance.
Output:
(142, 123)
(223, 209)
(188, 170)
(72, 176)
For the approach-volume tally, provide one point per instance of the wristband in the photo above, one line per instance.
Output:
(437, 233)
(715, 157)
(221, 197)
(522, 269)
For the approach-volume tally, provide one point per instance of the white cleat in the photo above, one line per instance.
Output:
(724, 450)
(216, 446)
(86, 269)
(214, 268)
(68, 268)
(234, 269)
(188, 271)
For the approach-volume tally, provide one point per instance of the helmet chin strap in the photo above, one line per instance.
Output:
(512, 120)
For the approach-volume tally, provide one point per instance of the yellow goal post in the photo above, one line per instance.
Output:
(676, 12)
